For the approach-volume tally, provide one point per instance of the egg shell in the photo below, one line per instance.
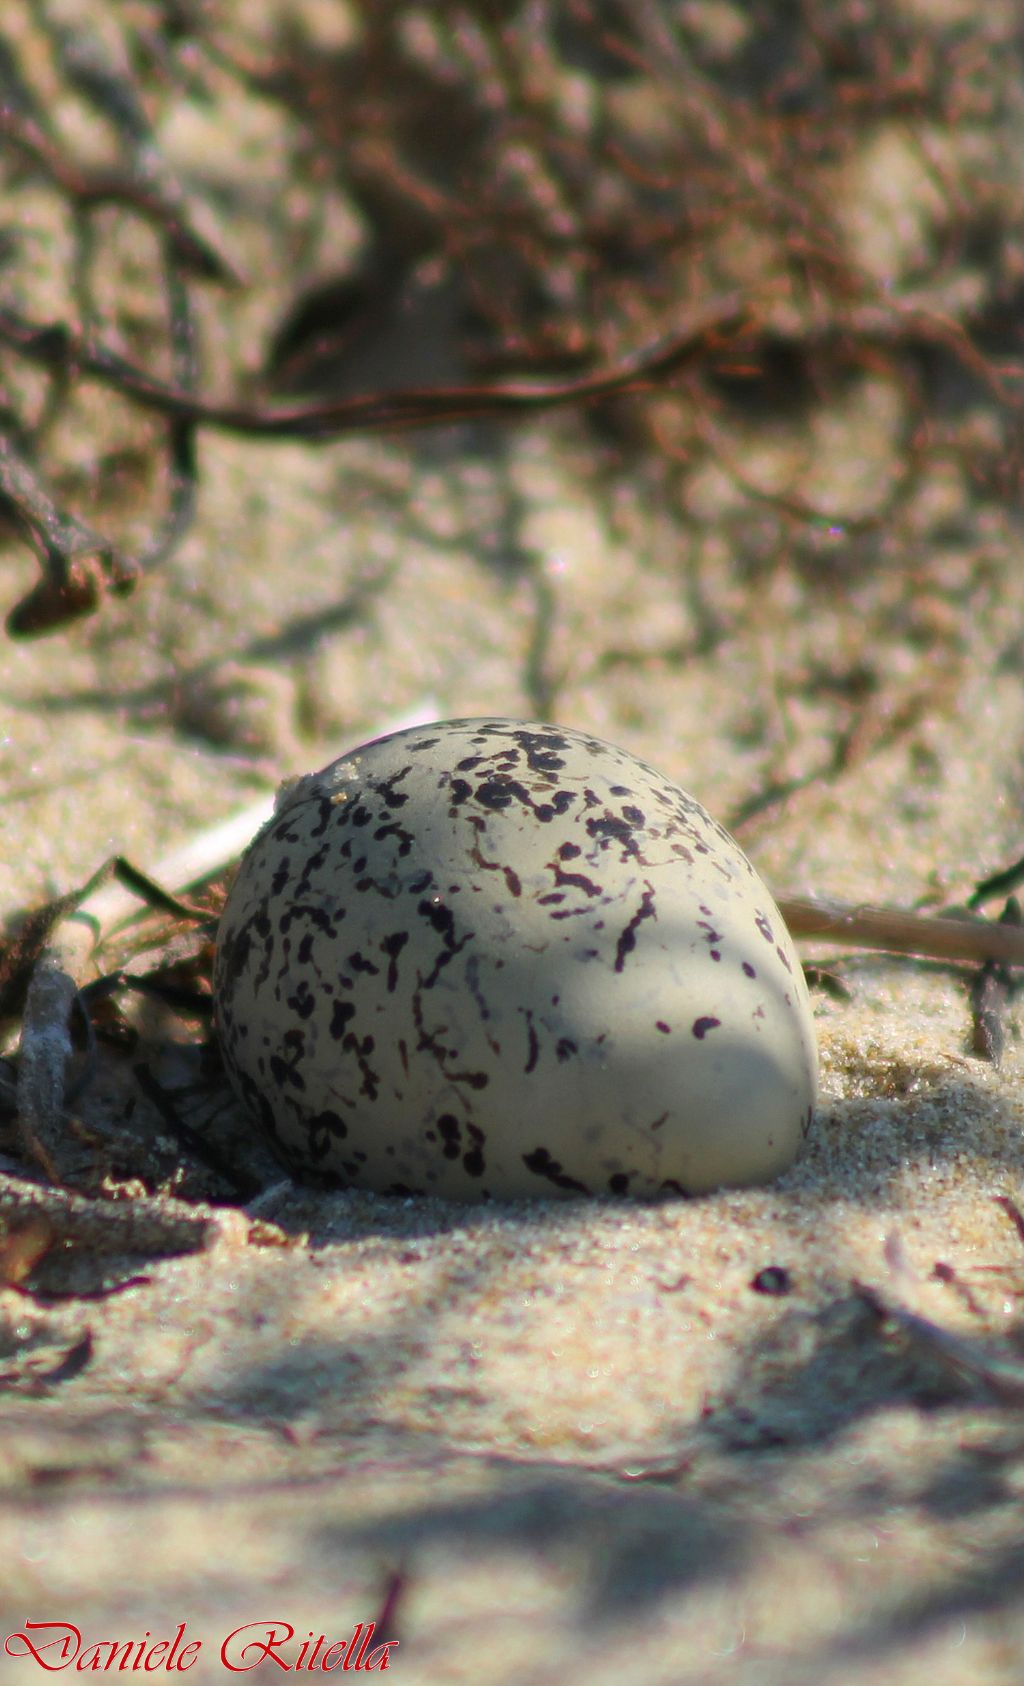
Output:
(496, 958)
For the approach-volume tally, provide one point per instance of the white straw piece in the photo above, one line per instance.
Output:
(114, 906)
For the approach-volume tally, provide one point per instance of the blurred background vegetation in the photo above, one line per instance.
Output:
(272, 209)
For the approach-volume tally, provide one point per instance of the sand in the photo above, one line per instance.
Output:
(571, 1440)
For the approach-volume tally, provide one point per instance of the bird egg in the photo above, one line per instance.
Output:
(495, 958)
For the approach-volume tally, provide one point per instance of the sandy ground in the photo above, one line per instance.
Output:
(568, 1440)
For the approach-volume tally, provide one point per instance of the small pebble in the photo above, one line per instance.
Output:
(773, 1279)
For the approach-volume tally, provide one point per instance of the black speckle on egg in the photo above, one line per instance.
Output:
(541, 1164)
(701, 1026)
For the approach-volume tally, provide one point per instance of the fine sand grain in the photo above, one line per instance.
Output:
(575, 1441)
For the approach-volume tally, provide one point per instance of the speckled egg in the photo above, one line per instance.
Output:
(494, 958)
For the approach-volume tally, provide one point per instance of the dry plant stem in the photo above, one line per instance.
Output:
(998, 1368)
(155, 1225)
(45, 1051)
(55, 346)
(65, 963)
(894, 931)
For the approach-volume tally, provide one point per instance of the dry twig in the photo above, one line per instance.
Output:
(897, 931)
(51, 345)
